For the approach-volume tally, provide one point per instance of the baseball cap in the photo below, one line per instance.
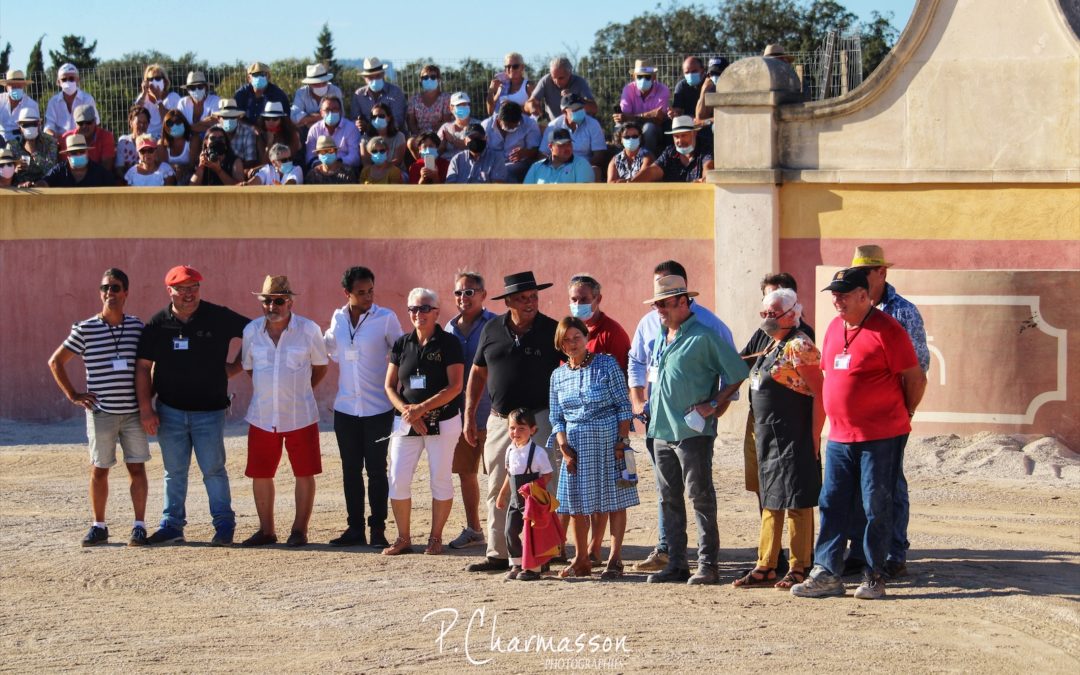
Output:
(475, 129)
(459, 97)
(182, 274)
(847, 280)
(560, 136)
(572, 100)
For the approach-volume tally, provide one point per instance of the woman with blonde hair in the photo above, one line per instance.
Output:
(512, 84)
(156, 97)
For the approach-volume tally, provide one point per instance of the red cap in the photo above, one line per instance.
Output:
(182, 274)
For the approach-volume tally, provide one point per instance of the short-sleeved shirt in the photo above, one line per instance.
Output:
(526, 135)
(363, 100)
(469, 343)
(253, 105)
(192, 378)
(631, 102)
(489, 167)
(282, 399)
(904, 311)
(760, 339)
(519, 368)
(9, 117)
(588, 137)
(393, 176)
(606, 336)
(172, 100)
(577, 170)
(155, 179)
(61, 176)
(102, 145)
(102, 348)
(551, 94)
(243, 142)
(341, 176)
(451, 129)
(39, 162)
(686, 97)
(126, 153)
(422, 369)
(627, 167)
(428, 117)
(269, 175)
(59, 119)
(865, 400)
(676, 172)
(517, 460)
(797, 352)
(305, 103)
(441, 167)
(186, 105)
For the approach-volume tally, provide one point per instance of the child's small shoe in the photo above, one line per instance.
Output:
(528, 575)
(514, 573)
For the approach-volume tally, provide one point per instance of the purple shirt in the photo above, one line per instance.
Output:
(347, 137)
(632, 103)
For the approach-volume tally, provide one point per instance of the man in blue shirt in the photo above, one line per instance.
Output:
(563, 166)
(253, 96)
(477, 163)
(642, 347)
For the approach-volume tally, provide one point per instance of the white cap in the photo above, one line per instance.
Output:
(67, 69)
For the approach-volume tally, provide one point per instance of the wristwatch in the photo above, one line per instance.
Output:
(714, 404)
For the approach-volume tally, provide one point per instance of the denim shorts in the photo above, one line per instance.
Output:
(105, 429)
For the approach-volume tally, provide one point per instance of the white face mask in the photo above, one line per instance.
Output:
(69, 88)
(320, 90)
(198, 94)
(7, 171)
(30, 133)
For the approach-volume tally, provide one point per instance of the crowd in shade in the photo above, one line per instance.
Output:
(186, 133)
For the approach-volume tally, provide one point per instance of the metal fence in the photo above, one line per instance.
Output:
(830, 71)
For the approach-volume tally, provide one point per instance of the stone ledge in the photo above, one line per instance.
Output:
(966, 176)
(744, 177)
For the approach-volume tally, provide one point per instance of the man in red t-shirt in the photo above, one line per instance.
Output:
(873, 384)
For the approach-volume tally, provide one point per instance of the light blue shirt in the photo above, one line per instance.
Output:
(588, 137)
(489, 167)
(469, 344)
(527, 135)
(304, 103)
(577, 171)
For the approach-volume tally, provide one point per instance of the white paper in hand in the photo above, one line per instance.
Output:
(694, 420)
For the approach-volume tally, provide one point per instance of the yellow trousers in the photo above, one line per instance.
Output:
(800, 524)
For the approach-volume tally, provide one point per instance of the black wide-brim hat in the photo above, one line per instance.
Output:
(522, 281)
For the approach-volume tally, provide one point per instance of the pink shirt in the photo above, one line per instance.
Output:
(632, 103)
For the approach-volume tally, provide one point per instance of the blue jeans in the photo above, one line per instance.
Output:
(653, 134)
(901, 512)
(661, 539)
(866, 469)
(181, 431)
(688, 463)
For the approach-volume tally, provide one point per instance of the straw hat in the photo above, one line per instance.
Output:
(869, 255)
(76, 142)
(682, 124)
(317, 74)
(275, 285)
(195, 77)
(227, 108)
(668, 287)
(373, 65)
(777, 52)
(14, 77)
(325, 143)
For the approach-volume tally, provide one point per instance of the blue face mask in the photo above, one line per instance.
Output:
(259, 81)
(377, 85)
(328, 158)
(631, 144)
(428, 151)
(176, 130)
(378, 158)
(461, 111)
(688, 150)
(715, 79)
(78, 161)
(286, 167)
(583, 312)
(332, 118)
(379, 122)
(429, 85)
(16, 94)
(578, 116)
(692, 79)
(229, 124)
(643, 84)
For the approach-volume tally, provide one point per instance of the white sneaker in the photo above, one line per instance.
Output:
(872, 588)
(819, 584)
(468, 537)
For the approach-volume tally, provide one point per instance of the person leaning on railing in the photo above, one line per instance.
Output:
(218, 165)
(379, 170)
(175, 146)
(280, 170)
(150, 172)
(156, 97)
(629, 165)
(127, 155)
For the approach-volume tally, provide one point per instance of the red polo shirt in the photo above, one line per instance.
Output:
(102, 145)
(608, 337)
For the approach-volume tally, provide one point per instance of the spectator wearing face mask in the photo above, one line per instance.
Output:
(379, 170)
(429, 168)
(429, 108)
(307, 101)
(477, 163)
(38, 152)
(561, 165)
(687, 160)
(328, 168)
(156, 97)
(259, 90)
(79, 170)
(646, 100)
(200, 103)
(630, 164)
(589, 143)
(101, 141)
(717, 66)
(218, 164)
(14, 101)
(59, 112)
(7, 168)
(452, 134)
(516, 136)
(280, 170)
(382, 124)
(242, 138)
(176, 145)
(275, 126)
(345, 136)
(377, 90)
(127, 155)
(148, 171)
(549, 90)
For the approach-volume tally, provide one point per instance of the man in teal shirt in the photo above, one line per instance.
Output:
(563, 166)
(685, 400)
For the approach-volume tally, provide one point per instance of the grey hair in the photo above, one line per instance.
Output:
(561, 63)
(584, 279)
(471, 276)
(789, 300)
(280, 151)
(418, 294)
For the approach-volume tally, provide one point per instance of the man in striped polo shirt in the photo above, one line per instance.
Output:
(107, 342)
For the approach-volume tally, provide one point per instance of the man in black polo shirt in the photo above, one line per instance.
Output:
(186, 347)
(515, 359)
(78, 170)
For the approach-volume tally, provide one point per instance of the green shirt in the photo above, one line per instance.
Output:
(688, 371)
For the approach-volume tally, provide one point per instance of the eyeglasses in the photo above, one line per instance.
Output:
(69, 79)
(28, 125)
(111, 288)
(512, 66)
(184, 290)
(773, 315)
(429, 77)
(467, 292)
(76, 153)
(276, 302)
(421, 309)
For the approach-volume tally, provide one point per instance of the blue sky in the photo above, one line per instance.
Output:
(269, 29)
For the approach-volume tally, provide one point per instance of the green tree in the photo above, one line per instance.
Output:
(878, 38)
(689, 29)
(35, 70)
(5, 58)
(749, 25)
(324, 52)
(75, 50)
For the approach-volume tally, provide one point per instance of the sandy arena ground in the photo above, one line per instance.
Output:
(994, 585)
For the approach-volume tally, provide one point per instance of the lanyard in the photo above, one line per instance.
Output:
(354, 331)
(858, 329)
(116, 340)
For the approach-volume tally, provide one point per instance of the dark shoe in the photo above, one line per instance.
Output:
(670, 575)
(853, 566)
(223, 538)
(96, 535)
(350, 537)
(138, 536)
(756, 578)
(613, 570)
(782, 565)
(165, 535)
(489, 565)
(528, 575)
(513, 573)
(706, 574)
(260, 539)
(378, 538)
(296, 539)
(895, 569)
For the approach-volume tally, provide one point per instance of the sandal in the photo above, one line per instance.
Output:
(613, 570)
(791, 578)
(434, 546)
(401, 546)
(573, 572)
(757, 578)
(595, 560)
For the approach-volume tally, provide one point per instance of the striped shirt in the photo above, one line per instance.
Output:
(101, 347)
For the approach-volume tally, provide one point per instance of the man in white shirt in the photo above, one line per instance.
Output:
(359, 339)
(285, 355)
(59, 112)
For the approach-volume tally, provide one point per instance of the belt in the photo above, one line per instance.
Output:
(498, 414)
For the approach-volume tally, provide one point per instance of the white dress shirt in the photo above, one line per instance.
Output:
(282, 399)
(9, 117)
(59, 119)
(361, 351)
(186, 105)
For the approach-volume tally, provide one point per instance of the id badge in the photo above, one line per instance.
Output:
(119, 364)
(842, 362)
(755, 382)
(352, 354)
(652, 375)
(418, 382)
(180, 344)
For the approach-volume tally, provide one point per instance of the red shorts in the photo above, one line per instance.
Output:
(264, 451)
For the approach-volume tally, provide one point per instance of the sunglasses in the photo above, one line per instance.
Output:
(773, 315)
(76, 153)
(158, 80)
(644, 77)
(467, 292)
(196, 87)
(111, 288)
(69, 79)
(421, 309)
(276, 302)
(512, 66)
(430, 77)
(85, 124)
(378, 117)
(634, 136)
(664, 304)
(146, 151)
